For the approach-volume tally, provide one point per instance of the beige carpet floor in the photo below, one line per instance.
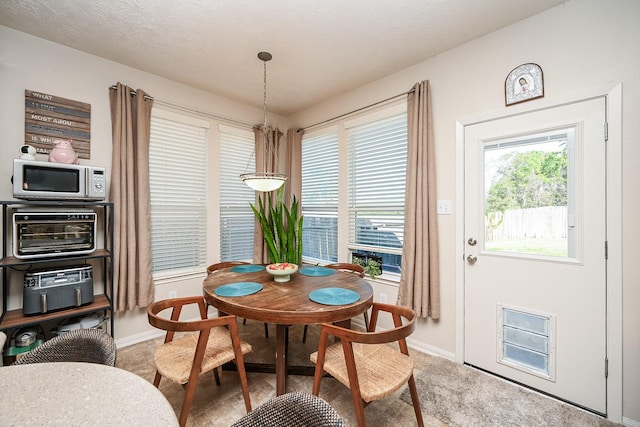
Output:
(222, 405)
(460, 395)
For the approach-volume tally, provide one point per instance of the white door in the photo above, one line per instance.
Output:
(535, 250)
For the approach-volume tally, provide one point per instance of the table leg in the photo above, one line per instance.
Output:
(281, 359)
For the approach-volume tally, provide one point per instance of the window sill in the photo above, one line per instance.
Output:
(172, 276)
(386, 279)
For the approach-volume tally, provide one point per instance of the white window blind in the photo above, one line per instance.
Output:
(178, 183)
(320, 198)
(236, 217)
(377, 175)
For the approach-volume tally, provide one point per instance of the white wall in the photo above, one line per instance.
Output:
(31, 63)
(581, 44)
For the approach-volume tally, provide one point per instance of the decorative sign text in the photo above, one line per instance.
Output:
(48, 117)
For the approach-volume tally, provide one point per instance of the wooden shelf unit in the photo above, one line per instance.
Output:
(11, 319)
(15, 318)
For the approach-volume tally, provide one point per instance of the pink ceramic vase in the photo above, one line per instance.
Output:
(63, 152)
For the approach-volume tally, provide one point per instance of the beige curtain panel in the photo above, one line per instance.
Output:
(420, 279)
(132, 271)
(293, 165)
(266, 159)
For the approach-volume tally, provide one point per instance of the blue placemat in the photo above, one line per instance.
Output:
(248, 268)
(238, 289)
(334, 296)
(317, 271)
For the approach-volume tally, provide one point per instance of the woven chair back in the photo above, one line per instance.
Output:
(80, 345)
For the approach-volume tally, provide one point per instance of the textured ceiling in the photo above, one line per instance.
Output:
(321, 48)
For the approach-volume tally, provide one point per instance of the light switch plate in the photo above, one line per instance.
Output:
(443, 207)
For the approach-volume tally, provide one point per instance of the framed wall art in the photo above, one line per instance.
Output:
(523, 83)
(48, 117)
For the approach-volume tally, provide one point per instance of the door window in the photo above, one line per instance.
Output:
(528, 196)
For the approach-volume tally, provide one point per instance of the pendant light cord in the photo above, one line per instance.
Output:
(264, 96)
(264, 57)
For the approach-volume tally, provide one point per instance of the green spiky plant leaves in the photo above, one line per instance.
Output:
(281, 228)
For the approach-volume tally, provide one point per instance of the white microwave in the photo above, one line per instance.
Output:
(35, 180)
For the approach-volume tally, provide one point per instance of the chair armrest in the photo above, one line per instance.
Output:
(174, 323)
(400, 331)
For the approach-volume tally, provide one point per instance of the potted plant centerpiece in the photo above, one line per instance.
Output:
(281, 228)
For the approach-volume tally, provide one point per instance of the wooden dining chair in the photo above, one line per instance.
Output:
(344, 266)
(228, 264)
(357, 269)
(366, 363)
(207, 345)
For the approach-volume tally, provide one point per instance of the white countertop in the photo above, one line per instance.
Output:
(80, 394)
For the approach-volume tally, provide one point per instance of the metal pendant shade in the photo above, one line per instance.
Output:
(266, 180)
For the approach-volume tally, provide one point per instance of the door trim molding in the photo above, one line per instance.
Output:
(613, 95)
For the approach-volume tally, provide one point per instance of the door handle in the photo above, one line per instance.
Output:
(471, 259)
(472, 241)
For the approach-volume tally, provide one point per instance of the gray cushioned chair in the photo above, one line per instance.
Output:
(3, 339)
(80, 345)
(293, 409)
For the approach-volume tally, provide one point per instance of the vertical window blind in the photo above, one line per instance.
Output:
(236, 217)
(178, 184)
(377, 179)
(320, 198)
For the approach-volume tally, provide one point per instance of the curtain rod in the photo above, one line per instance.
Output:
(357, 110)
(190, 110)
(131, 92)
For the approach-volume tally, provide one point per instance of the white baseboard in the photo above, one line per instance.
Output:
(434, 351)
(627, 422)
(138, 338)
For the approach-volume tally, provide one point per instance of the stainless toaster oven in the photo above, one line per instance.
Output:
(47, 232)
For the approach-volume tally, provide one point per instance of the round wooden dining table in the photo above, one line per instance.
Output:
(288, 303)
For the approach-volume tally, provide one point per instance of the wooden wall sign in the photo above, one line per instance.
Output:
(48, 117)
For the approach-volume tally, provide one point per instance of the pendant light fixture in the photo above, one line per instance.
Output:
(266, 180)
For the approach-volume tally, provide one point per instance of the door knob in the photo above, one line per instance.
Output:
(472, 241)
(471, 259)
